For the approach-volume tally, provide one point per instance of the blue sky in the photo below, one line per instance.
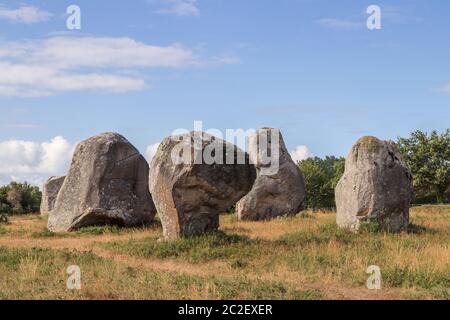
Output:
(146, 67)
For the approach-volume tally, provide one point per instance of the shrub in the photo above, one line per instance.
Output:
(3, 218)
(322, 176)
(19, 198)
(428, 156)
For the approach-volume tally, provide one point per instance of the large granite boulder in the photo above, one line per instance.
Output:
(375, 188)
(49, 193)
(107, 184)
(194, 177)
(279, 189)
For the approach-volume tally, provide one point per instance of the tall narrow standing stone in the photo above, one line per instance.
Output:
(376, 187)
(279, 189)
(49, 193)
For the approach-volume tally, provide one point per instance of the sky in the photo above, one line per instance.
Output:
(145, 68)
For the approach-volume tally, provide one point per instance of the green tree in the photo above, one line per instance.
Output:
(322, 176)
(4, 205)
(19, 198)
(428, 156)
(339, 169)
(15, 197)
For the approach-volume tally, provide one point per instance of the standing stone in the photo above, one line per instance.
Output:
(195, 177)
(376, 187)
(275, 193)
(49, 193)
(106, 184)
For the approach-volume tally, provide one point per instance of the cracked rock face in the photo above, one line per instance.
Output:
(190, 194)
(49, 193)
(376, 187)
(107, 184)
(275, 193)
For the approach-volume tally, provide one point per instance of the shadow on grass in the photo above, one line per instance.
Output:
(323, 235)
(420, 230)
(97, 230)
(237, 250)
(412, 229)
(377, 228)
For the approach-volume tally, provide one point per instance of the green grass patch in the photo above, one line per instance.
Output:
(86, 231)
(4, 218)
(236, 249)
(45, 233)
(409, 278)
(323, 235)
(99, 230)
(41, 274)
(3, 230)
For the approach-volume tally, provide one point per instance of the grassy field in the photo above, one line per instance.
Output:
(304, 257)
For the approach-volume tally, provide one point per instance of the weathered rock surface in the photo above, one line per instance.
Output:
(49, 193)
(275, 193)
(376, 187)
(107, 184)
(190, 194)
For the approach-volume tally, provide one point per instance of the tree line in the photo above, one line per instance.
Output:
(19, 198)
(427, 155)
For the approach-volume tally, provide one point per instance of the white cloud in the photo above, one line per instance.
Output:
(32, 161)
(57, 64)
(301, 153)
(103, 52)
(35, 81)
(25, 14)
(63, 63)
(444, 89)
(400, 14)
(150, 152)
(339, 23)
(226, 59)
(392, 14)
(182, 8)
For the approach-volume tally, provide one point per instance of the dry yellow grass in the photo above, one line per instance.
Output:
(304, 257)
